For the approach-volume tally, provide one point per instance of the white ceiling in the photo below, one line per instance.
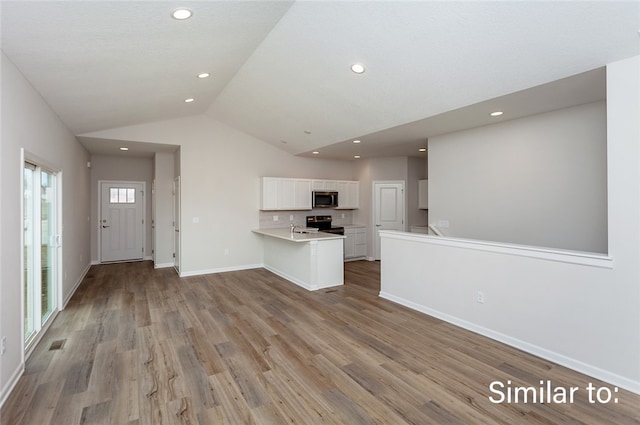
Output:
(280, 69)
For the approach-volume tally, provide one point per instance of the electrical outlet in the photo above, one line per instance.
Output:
(291, 217)
(275, 218)
(3, 345)
(480, 297)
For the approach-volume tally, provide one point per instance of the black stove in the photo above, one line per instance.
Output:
(323, 224)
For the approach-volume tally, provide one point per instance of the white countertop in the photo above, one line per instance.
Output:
(285, 233)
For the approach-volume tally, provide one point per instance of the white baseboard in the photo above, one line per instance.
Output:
(220, 270)
(11, 383)
(347, 260)
(162, 265)
(75, 286)
(577, 365)
(289, 278)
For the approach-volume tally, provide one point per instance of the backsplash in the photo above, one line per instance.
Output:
(299, 218)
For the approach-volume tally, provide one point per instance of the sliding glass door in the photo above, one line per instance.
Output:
(40, 248)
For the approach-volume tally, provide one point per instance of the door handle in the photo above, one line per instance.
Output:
(104, 227)
(177, 230)
(378, 225)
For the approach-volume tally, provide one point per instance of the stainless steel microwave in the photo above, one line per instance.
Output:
(325, 199)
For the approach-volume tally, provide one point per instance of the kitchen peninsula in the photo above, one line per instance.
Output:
(311, 260)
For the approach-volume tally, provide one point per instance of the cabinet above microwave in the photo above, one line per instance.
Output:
(279, 193)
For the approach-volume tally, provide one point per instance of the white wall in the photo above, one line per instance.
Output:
(119, 168)
(163, 221)
(539, 180)
(220, 169)
(29, 123)
(585, 313)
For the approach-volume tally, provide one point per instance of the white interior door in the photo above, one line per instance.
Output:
(388, 210)
(121, 221)
(176, 224)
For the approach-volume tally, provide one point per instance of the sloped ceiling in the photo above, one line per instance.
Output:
(280, 70)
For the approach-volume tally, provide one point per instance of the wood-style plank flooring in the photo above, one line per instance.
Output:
(142, 346)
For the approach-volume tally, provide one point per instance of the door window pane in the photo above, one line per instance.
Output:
(122, 195)
(29, 251)
(47, 241)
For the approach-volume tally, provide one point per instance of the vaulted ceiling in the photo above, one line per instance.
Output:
(280, 70)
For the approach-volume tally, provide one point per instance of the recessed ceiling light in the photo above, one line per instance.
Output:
(315, 152)
(356, 141)
(189, 100)
(307, 132)
(358, 68)
(496, 113)
(204, 75)
(124, 148)
(422, 150)
(356, 156)
(181, 14)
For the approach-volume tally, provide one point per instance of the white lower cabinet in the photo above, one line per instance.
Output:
(355, 243)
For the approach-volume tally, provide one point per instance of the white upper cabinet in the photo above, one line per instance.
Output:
(295, 194)
(326, 185)
(348, 195)
(423, 194)
(285, 194)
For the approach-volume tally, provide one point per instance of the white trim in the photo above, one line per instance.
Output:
(42, 164)
(60, 247)
(75, 287)
(162, 265)
(11, 383)
(43, 330)
(374, 240)
(290, 278)
(221, 270)
(550, 254)
(587, 369)
(296, 281)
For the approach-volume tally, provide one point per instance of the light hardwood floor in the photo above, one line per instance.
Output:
(142, 346)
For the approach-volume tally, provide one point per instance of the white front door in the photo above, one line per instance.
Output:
(388, 210)
(121, 221)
